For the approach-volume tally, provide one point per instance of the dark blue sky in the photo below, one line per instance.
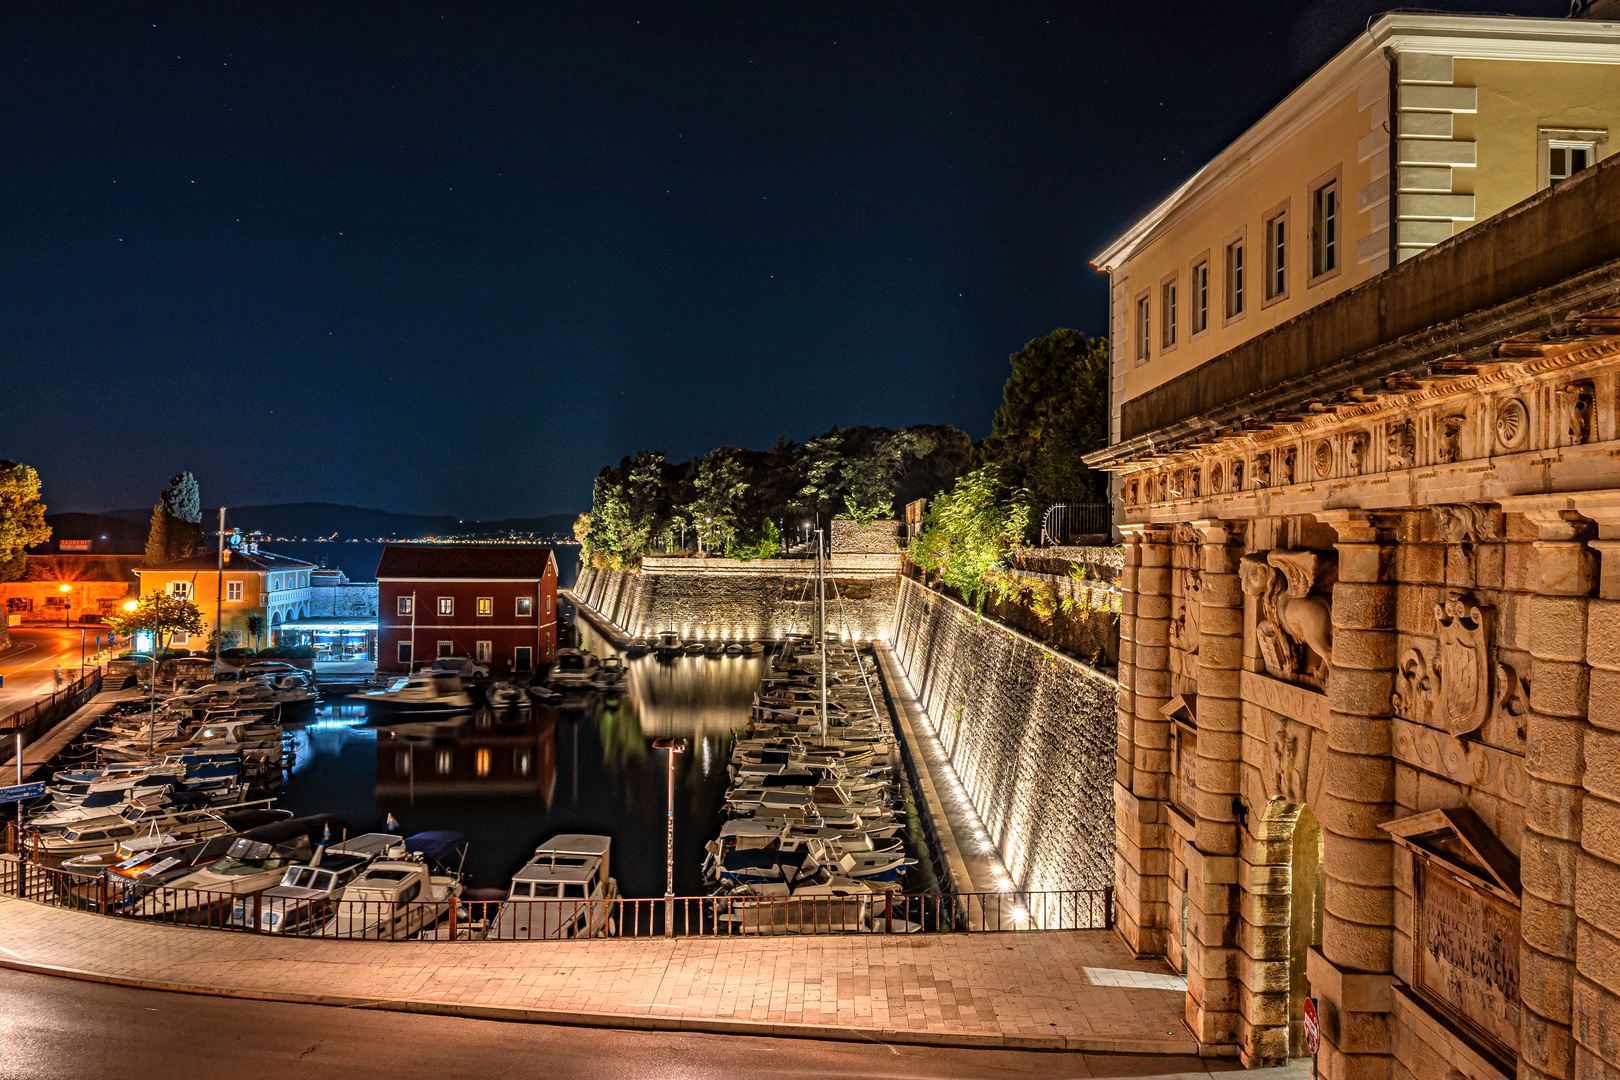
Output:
(454, 259)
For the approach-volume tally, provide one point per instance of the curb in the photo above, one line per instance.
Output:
(514, 1014)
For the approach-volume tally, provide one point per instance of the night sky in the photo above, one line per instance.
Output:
(454, 259)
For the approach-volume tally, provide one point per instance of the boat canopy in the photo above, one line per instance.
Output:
(438, 845)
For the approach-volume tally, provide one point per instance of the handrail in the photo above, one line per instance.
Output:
(456, 919)
(1063, 521)
(29, 713)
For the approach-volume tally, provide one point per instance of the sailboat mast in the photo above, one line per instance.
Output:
(821, 595)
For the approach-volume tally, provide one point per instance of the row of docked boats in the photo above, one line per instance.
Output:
(670, 645)
(813, 831)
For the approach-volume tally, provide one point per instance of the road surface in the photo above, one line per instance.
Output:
(53, 1028)
(35, 653)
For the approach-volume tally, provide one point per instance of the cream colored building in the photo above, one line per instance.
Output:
(1486, 111)
(1369, 718)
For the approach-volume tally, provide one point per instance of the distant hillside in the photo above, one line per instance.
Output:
(311, 520)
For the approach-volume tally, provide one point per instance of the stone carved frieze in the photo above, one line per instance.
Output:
(1415, 680)
(1462, 523)
(1512, 424)
(1464, 666)
(1512, 695)
(1291, 620)
(1400, 445)
(1575, 406)
(1188, 611)
(1288, 761)
(1322, 457)
(1450, 433)
(1356, 453)
(1262, 470)
(1286, 473)
(1237, 475)
(1494, 771)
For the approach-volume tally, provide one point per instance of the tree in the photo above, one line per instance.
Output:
(970, 530)
(22, 518)
(766, 547)
(1054, 410)
(255, 627)
(160, 615)
(176, 531)
(716, 507)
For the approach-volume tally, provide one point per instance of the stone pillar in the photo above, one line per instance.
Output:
(1358, 795)
(1141, 853)
(1213, 988)
(1595, 994)
(1559, 576)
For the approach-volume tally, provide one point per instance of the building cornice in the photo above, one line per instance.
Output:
(1470, 37)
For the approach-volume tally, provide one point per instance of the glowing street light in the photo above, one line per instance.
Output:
(67, 605)
(674, 746)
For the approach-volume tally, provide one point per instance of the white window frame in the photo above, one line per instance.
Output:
(404, 604)
(1198, 295)
(447, 607)
(483, 651)
(180, 637)
(403, 653)
(1327, 230)
(1276, 260)
(524, 608)
(1234, 276)
(446, 648)
(1169, 312)
(233, 591)
(1589, 149)
(1594, 140)
(179, 590)
(1144, 328)
(485, 608)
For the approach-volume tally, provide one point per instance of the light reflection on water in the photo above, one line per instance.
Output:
(509, 779)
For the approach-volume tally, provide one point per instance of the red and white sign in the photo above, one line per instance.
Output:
(1313, 1031)
(73, 545)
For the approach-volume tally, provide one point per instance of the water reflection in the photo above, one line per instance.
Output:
(489, 754)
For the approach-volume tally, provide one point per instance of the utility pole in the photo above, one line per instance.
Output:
(674, 746)
(821, 597)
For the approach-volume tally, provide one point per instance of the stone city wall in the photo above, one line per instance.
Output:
(727, 598)
(344, 601)
(1029, 732)
(872, 538)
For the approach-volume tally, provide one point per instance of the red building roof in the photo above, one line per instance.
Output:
(473, 562)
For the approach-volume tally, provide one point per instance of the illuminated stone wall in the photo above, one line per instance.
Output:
(1029, 732)
(726, 598)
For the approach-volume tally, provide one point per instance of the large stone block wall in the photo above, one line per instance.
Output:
(1029, 732)
(763, 599)
(872, 538)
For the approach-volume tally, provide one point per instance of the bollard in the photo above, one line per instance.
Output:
(888, 911)
(455, 902)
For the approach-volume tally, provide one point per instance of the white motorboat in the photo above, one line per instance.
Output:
(392, 900)
(307, 898)
(564, 891)
(257, 859)
(668, 645)
(503, 695)
(426, 691)
(574, 670)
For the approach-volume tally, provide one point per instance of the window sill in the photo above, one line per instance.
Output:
(1324, 278)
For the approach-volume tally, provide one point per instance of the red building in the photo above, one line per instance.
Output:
(494, 602)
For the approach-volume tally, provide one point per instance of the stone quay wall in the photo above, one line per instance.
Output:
(1029, 732)
(728, 598)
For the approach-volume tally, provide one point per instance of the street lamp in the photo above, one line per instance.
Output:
(674, 746)
(67, 605)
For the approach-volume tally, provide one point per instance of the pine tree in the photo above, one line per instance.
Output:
(157, 538)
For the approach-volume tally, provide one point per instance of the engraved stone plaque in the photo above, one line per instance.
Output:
(1467, 960)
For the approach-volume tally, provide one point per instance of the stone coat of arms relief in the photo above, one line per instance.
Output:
(1294, 630)
(1452, 690)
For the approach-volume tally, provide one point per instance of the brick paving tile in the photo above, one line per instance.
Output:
(1067, 983)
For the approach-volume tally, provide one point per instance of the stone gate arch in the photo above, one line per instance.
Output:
(1288, 890)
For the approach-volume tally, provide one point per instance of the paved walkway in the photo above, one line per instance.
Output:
(1067, 990)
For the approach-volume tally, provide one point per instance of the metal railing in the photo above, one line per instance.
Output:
(73, 695)
(1066, 523)
(456, 919)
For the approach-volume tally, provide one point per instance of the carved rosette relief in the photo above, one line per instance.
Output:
(1322, 458)
(1215, 479)
(1512, 424)
(1294, 632)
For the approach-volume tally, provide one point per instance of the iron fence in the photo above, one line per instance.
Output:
(69, 697)
(1067, 523)
(453, 918)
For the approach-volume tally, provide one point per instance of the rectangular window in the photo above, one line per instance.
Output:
(447, 605)
(446, 648)
(233, 590)
(1234, 279)
(523, 658)
(405, 652)
(275, 583)
(1144, 329)
(548, 604)
(1565, 159)
(1167, 309)
(180, 637)
(405, 604)
(1325, 229)
(482, 651)
(1277, 257)
(548, 643)
(1200, 297)
(179, 590)
(481, 763)
(525, 605)
(486, 605)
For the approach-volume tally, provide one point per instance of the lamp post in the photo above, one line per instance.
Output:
(674, 746)
(67, 605)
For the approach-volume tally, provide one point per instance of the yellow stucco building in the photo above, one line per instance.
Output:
(275, 587)
(1421, 127)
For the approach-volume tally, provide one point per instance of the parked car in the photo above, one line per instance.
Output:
(462, 665)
